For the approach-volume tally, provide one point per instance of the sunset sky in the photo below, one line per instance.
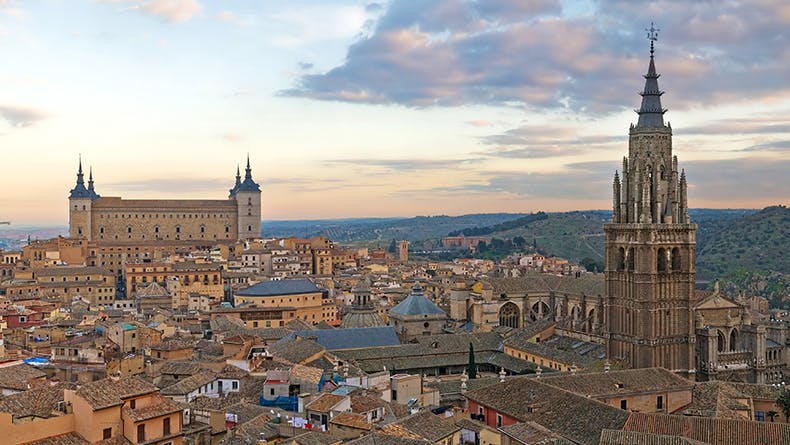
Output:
(400, 108)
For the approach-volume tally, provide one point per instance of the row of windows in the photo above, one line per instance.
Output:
(164, 216)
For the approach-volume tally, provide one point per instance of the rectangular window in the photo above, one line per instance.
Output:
(624, 404)
(131, 404)
(759, 416)
(498, 421)
(166, 426)
(141, 433)
(235, 384)
(660, 403)
(106, 433)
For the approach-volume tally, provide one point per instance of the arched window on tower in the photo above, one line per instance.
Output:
(733, 339)
(631, 259)
(661, 260)
(675, 259)
(621, 259)
(721, 342)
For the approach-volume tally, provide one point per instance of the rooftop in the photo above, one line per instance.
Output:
(111, 392)
(279, 287)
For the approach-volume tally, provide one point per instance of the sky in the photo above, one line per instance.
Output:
(399, 108)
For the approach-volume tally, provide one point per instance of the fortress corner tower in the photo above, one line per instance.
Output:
(650, 247)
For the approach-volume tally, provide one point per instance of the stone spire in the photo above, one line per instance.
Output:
(79, 190)
(91, 190)
(248, 170)
(651, 113)
(616, 197)
(248, 185)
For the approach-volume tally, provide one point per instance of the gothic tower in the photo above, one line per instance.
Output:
(650, 246)
(247, 194)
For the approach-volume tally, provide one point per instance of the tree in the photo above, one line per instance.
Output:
(771, 415)
(472, 368)
(519, 241)
(393, 247)
(592, 265)
(784, 403)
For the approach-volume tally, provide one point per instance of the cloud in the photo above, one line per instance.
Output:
(716, 182)
(21, 116)
(526, 53)
(173, 11)
(232, 137)
(480, 123)
(183, 186)
(406, 165)
(531, 141)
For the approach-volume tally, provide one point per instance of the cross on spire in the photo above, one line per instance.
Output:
(652, 35)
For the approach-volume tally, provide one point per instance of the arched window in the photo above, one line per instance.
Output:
(101, 230)
(675, 259)
(631, 259)
(661, 260)
(156, 229)
(721, 342)
(202, 228)
(178, 229)
(227, 228)
(129, 230)
(733, 339)
(621, 259)
(509, 315)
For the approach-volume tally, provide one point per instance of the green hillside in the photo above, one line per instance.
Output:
(750, 254)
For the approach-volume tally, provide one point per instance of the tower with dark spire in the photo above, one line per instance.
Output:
(80, 202)
(247, 194)
(650, 246)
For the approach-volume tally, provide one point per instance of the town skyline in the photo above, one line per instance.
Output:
(300, 89)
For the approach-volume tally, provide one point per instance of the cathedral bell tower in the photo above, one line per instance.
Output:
(247, 194)
(650, 247)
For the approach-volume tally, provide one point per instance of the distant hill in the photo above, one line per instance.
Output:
(750, 254)
(384, 230)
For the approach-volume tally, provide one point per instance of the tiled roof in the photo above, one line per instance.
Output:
(363, 404)
(563, 349)
(324, 403)
(597, 384)
(379, 438)
(110, 392)
(158, 406)
(174, 344)
(305, 374)
(18, 377)
(63, 439)
(351, 338)
(428, 426)
(416, 304)
(190, 383)
(615, 437)
(153, 290)
(70, 270)
(180, 368)
(316, 438)
(532, 433)
(39, 402)
(529, 400)
(352, 420)
(279, 287)
(715, 399)
(588, 284)
(254, 430)
(246, 411)
(295, 350)
(709, 430)
(232, 372)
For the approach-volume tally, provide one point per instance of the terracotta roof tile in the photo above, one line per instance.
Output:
(709, 430)
(110, 392)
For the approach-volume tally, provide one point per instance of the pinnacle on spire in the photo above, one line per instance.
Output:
(651, 113)
(248, 170)
(80, 175)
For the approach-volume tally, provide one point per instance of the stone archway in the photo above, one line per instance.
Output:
(510, 315)
(539, 310)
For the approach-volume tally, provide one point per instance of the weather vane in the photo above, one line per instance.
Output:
(652, 35)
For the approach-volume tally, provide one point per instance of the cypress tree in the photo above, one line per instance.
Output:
(472, 371)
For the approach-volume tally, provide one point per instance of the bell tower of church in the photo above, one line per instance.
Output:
(650, 247)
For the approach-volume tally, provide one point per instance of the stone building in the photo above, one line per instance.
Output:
(417, 315)
(114, 219)
(650, 247)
